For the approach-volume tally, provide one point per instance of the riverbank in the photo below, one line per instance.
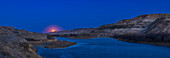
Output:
(148, 29)
(166, 44)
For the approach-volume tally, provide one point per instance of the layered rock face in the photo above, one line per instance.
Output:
(145, 24)
(153, 27)
(150, 28)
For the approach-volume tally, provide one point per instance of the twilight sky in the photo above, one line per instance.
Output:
(36, 15)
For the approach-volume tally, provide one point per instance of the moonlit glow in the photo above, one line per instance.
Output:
(52, 28)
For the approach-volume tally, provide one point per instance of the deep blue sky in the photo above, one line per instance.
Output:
(35, 15)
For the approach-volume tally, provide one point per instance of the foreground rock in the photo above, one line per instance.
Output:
(13, 46)
(16, 43)
(151, 29)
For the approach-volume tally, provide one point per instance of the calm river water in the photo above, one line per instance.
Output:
(105, 48)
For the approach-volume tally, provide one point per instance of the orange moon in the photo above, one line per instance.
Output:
(52, 28)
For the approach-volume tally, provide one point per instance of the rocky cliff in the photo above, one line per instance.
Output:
(144, 28)
(16, 43)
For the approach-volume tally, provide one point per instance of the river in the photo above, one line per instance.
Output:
(105, 48)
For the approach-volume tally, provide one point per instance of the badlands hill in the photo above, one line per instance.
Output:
(150, 28)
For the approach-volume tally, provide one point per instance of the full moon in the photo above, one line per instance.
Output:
(52, 28)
